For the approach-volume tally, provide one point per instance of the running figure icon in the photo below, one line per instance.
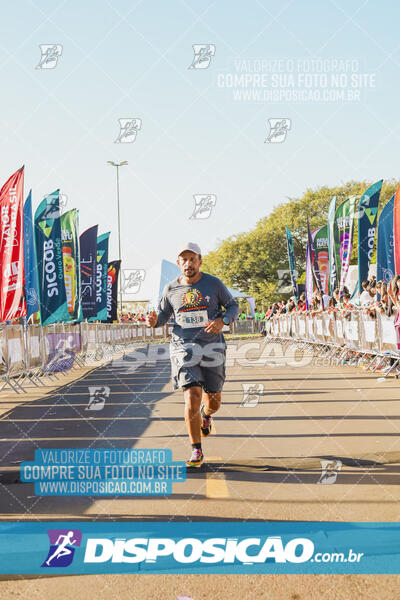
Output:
(62, 549)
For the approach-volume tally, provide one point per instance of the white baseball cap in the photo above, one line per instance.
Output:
(190, 246)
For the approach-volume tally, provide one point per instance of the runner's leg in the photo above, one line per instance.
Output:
(212, 402)
(193, 397)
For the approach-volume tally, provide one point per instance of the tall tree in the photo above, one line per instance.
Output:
(250, 261)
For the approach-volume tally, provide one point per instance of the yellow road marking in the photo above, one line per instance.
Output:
(216, 486)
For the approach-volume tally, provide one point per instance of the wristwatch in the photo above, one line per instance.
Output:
(225, 320)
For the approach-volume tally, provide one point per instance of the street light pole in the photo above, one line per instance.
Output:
(117, 165)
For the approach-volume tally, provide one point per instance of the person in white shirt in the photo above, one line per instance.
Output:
(365, 296)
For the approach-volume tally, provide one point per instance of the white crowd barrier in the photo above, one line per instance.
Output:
(357, 333)
(28, 354)
(244, 326)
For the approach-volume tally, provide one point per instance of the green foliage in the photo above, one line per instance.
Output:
(250, 261)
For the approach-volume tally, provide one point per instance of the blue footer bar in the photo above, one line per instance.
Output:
(200, 547)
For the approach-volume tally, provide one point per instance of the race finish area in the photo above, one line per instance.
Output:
(294, 440)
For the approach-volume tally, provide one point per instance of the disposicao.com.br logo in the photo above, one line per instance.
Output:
(104, 554)
(246, 551)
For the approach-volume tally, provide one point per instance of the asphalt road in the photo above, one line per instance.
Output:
(311, 442)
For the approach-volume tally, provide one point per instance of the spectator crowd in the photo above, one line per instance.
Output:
(376, 297)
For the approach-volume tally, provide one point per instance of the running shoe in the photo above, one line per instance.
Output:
(197, 458)
(206, 423)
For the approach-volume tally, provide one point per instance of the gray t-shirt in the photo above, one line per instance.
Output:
(195, 304)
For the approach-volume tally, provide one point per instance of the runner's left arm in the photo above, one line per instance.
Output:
(228, 302)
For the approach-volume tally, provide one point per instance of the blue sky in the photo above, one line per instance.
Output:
(130, 59)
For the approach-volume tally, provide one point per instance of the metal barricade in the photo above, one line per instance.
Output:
(387, 335)
(115, 334)
(122, 333)
(46, 330)
(34, 354)
(353, 338)
(351, 330)
(84, 337)
(369, 341)
(134, 334)
(73, 341)
(28, 352)
(92, 334)
(141, 333)
(319, 329)
(310, 329)
(14, 356)
(339, 334)
(108, 335)
(60, 343)
(301, 321)
(244, 326)
(126, 333)
(294, 328)
(275, 325)
(282, 326)
(34, 346)
(328, 326)
(286, 326)
(159, 333)
(101, 334)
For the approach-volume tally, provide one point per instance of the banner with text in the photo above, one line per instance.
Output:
(101, 277)
(321, 249)
(367, 219)
(112, 290)
(88, 259)
(31, 278)
(385, 267)
(70, 250)
(52, 294)
(12, 297)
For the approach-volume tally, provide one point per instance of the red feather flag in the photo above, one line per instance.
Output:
(12, 279)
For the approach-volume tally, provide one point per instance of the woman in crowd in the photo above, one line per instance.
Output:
(385, 304)
(394, 295)
(316, 305)
(332, 305)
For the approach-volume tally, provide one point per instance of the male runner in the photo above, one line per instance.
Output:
(198, 348)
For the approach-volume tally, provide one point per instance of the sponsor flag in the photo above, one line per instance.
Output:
(367, 220)
(31, 278)
(70, 252)
(309, 273)
(314, 263)
(101, 277)
(332, 235)
(321, 249)
(12, 298)
(88, 259)
(112, 290)
(385, 267)
(396, 230)
(290, 250)
(52, 296)
(344, 218)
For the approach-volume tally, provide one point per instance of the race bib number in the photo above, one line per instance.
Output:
(192, 318)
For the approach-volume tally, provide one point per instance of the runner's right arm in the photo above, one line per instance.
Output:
(164, 310)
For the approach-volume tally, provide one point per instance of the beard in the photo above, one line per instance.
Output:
(190, 271)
